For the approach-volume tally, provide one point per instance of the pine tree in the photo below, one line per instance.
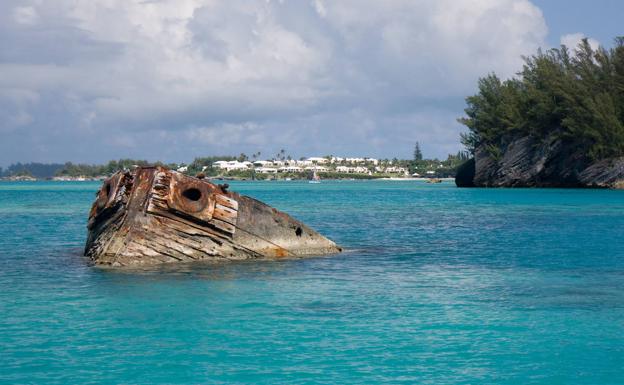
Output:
(417, 153)
(577, 98)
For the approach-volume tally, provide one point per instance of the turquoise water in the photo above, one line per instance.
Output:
(438, 285)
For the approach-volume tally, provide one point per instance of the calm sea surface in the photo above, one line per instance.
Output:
(438, 285)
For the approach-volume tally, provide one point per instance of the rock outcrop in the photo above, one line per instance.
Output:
(527, 162)
(464, 177)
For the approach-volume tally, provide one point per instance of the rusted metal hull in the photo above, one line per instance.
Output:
(154, 215)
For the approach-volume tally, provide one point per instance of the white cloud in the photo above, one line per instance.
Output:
(572, 40)
(320, 8)
(14, 103)
(292, 72)
(228, 134)
(25, 15)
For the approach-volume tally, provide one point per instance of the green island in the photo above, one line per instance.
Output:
(559, 123)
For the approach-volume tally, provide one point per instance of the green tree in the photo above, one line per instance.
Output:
(417, 153)
(576, 98)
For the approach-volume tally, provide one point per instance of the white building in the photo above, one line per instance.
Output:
(396, 170)
(316, 168)
(290, 169)
(343, 169)
(220, 164)
(317, 160)
(231, 165)
(183, 169)
(266, 170)
(352, 170)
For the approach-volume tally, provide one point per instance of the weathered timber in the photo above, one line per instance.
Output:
(154, 215)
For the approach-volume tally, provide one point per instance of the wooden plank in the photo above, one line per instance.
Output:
(228, 228)
(225, 214)
(225, 201)
(189, 228)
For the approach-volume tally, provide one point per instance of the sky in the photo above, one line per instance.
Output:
(88, 81)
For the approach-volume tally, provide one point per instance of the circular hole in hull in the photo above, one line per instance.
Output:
(192, 194)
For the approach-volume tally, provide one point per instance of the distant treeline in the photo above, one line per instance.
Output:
(37, 170)
(443, 168)
(73, 170)
(69, 169)
(576, 97)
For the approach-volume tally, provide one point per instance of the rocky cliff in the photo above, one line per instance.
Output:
(526, 162)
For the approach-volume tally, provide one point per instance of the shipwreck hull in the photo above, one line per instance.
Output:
(154, 215)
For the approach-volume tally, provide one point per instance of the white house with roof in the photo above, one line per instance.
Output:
(396, 170)
(304, 162)
(316, 168)
(290, 169)
(317, 160)
(231, 165)
(262, 163)
(266, 170)
(343, 169)
(353, 170)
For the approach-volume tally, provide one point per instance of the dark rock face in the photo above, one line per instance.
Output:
(465, 174)
(526, 162)
(606, 173)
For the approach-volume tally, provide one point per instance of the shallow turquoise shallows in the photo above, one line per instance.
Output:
(438, 285)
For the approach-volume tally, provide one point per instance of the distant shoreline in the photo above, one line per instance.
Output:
(31, 179)
(231, 179)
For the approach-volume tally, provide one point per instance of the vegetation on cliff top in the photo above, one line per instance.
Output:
(578, 97)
